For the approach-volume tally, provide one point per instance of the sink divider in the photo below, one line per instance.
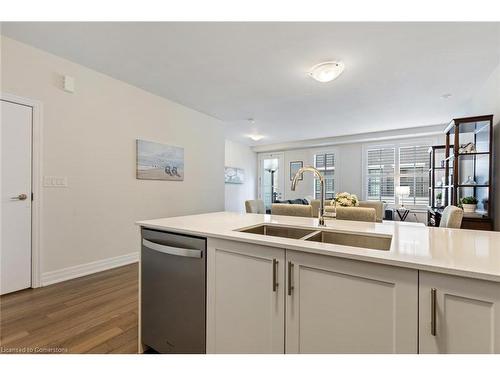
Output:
(309, 235)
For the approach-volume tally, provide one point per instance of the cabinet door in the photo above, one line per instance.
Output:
(465, 315)
(245, 306)
(336, 305)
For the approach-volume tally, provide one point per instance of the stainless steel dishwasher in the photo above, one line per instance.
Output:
(173, 292)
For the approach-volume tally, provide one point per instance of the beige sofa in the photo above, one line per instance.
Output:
(303, 210)
(255, 206)
(356, 214)
(378, 206)
(312, 210)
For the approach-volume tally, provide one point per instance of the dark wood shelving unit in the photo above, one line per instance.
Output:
(476, 165)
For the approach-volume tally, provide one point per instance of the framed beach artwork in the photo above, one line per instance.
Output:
(157, 161)
(294, 167)
(234, 175)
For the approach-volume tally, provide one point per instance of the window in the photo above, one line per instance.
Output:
(414, 172)
(325, 163)
(397, 165)
(380, 174)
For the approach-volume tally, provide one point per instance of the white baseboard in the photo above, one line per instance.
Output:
(73, 272)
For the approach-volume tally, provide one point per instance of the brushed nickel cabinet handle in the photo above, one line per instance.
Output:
(290, 285)
(275, 275)
(433, 311)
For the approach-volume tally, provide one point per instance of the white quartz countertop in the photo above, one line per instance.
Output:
(458, 252)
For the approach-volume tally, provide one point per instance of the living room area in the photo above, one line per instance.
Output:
(400, 175)
(396, 156)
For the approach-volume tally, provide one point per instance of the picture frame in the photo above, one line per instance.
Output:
(294, 167)
(234, 175)
(157, 161)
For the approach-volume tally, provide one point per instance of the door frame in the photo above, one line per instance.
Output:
(36, 179)
(260, 157)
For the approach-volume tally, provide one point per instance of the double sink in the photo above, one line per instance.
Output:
(366, 241)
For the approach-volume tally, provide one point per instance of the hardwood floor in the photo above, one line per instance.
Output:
(92, 314)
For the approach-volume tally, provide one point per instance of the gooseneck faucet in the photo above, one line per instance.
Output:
(321, 179)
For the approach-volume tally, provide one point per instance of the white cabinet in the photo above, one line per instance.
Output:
(458, 315)
(336, 305)
(245, 298)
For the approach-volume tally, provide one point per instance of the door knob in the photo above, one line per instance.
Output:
(20, 197)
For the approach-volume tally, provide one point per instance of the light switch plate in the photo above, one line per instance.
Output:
(55, 181)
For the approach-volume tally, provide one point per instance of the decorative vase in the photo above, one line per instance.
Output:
(469, 207)
(469, 181)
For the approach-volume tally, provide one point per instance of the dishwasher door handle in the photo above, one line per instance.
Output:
(178, 251)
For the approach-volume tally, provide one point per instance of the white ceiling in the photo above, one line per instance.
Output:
(395, 73)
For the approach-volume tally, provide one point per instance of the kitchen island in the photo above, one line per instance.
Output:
(280, 284)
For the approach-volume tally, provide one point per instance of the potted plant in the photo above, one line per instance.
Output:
(469, 204)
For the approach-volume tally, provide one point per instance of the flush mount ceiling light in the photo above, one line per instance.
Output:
(446, 96)
(255, 137)
(326, 71)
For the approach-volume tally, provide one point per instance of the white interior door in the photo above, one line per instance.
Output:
(15, 154)
(271, 178)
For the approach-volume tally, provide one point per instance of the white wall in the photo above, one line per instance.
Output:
(89, 137)
(484, 102)
(241, 156)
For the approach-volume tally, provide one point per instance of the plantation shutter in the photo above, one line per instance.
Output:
(380, 174)
(413, 172)
(325, 163)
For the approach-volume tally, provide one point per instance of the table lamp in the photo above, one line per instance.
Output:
(402, 191)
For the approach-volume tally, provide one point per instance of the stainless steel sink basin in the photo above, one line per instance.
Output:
(366, 241)
(375, 242)
(278, 231)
